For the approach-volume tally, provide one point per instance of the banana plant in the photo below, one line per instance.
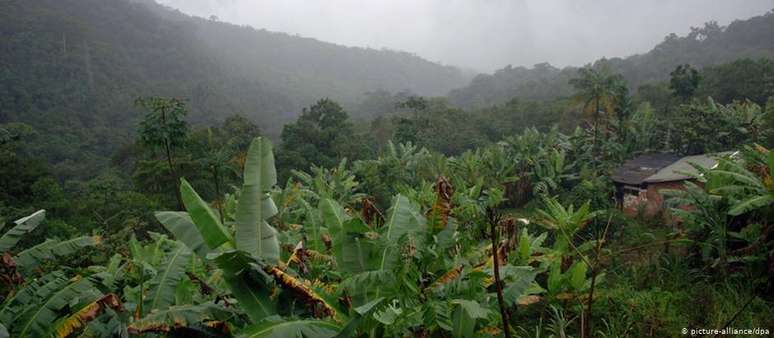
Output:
(21, 227)
(551, 171)
(35, 310)
(353, 249)
(28, 259)
(747, 190)
(246, 249)
(253, 241)
(337, 183)
(155, 281)
(31, 258)
(567, 263)
(61, 304)
(565, 221)
(371, 255)
(31, 304)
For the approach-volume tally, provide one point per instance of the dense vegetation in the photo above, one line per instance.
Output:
(72, 70)
(413, 217)
(521, 235)
(706, 46)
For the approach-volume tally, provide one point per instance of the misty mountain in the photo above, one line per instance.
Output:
(703, 46)
(73, 68)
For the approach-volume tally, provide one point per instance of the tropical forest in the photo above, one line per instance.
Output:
(170, 173)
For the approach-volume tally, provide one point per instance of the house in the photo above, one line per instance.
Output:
(639, 181)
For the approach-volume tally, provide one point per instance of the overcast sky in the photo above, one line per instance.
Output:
(484, 34)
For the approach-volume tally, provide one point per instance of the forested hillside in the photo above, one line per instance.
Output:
(73, 68)
(702, 47)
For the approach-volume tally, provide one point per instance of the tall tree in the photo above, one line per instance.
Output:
(164, 127)
(322, 135)
(597, 90)
(684, 81)
(221, 152)
(624, 106)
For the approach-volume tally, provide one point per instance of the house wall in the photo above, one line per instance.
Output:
(648, 200)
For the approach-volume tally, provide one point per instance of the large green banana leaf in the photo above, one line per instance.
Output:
(464, 317)
(253, 234)
(23, 226)
(30, 258)
(332, 214)
(37, 320)
(170, 273)
(205, 219)
(354, 252)
(275, 327)
(182, 227)
(403, 218)
(361, 313)
(13, 306)
(178, 316)
(248, 285)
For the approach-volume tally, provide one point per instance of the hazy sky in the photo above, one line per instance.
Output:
(484, 34)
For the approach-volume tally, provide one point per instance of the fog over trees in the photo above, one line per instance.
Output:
(484, 35)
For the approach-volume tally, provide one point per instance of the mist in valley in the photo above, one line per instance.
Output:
(484, 35)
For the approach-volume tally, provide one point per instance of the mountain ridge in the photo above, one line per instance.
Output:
(704, 46)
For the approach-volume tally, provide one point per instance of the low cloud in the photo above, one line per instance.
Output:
(483, 34)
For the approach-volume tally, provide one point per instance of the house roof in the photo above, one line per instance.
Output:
(638, 169)
(682, 169)
(655, 168)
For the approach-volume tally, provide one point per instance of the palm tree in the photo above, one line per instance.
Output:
(596, 89)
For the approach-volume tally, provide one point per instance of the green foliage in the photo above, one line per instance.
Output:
(277, 328)
(598, 90)
(162, 287)
(90, 62)
(398, 165)
(185, 230)
(203, 217)
(321, 136)
(343, 249)
(703, 47)
(743, 79)
(684, 81)
(247, 284)
(403, 219)
(730, 190)
(746, 190)
(164, 126)
(567, 221)
(51, 298)
(541, 82)
(21, 227)
(435, 125)
(31, 258)
(337, 183)
(711, 127)
(392, 278)
(252, 233)
(191, 317)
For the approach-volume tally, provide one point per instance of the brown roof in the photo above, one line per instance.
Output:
(636, 170)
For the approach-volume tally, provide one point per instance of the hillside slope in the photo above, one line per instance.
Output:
(72, 68)
(704, 46)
